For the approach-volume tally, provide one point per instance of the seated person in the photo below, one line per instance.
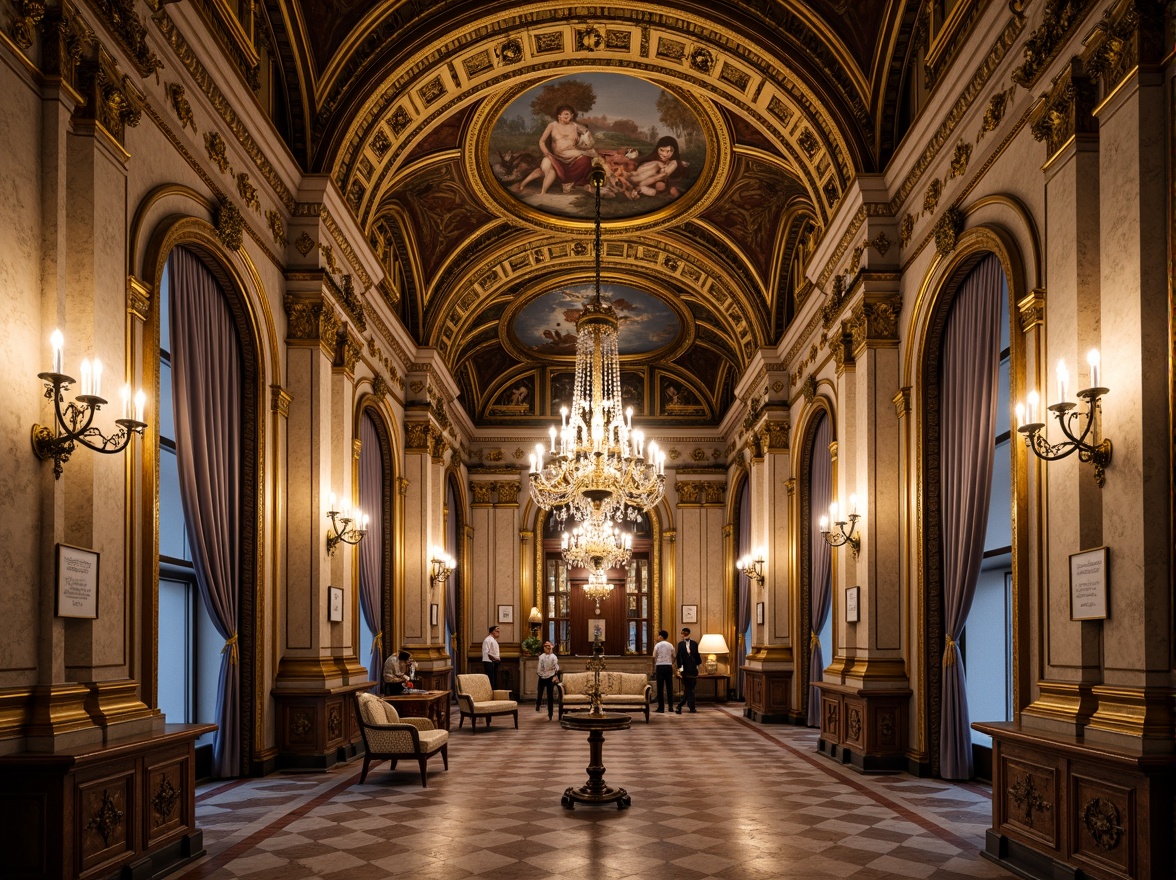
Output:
(399, 671)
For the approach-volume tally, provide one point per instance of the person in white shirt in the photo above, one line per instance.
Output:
(399, 671)
(663, 670)
(548, 672)
(490, 656)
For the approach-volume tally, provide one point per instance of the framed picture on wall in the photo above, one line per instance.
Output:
(77, 582)
(852, 596)
(506, 614)
(335, 604)
(1088, 584)
(433, 614)
(759, 612)
(596, 629)
(690, 614)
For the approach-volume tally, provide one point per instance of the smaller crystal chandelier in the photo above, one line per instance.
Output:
(597, 545)
(598, 587)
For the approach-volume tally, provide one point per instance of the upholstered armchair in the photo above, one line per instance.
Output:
(477, 700)
(388, 737)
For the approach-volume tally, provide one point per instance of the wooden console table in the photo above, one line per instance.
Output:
(720, 680)
(433, 705)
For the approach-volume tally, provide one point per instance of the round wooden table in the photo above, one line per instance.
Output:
(594, 791)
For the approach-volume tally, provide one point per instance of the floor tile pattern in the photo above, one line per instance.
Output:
(714, 796)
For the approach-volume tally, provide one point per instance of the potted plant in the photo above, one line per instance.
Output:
(531, 645)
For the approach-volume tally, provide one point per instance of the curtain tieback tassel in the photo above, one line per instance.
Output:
(949, 651)
(814, 640)
(378, 642)
(231, 647)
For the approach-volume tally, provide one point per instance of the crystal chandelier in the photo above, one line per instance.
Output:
(598, 587)
(596, 462)
(597, 545)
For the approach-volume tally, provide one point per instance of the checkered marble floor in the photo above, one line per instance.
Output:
(713, 796)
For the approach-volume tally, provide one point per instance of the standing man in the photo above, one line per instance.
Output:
(490, 657)
(548, 672)
(688, 662)
(663, 670)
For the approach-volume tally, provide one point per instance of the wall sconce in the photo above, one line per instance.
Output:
(712, 644)
(536, 620)
(752, 567)
(353, 527)
(441, 566)
(75, 424)
(1099, 454)
(842, 535)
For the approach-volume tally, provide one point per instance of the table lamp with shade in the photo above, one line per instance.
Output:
(535, 619)
(711, 644)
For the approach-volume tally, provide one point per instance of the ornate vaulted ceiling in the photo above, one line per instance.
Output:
(429, 116)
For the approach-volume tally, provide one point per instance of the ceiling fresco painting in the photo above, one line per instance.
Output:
(544, 143)
(730, 136)
(546, 326)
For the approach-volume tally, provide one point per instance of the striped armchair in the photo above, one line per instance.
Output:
(477, 700)
(388, 737)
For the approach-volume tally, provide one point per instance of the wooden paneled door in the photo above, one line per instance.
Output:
(585, 618)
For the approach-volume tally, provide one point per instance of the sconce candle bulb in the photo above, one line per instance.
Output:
(1084, 442)
(74, 422)
(846, 527)
(752, 566)
(345, 526)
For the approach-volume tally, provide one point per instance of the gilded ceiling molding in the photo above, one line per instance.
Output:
(129, 31)
(221, 105)
(368, 139)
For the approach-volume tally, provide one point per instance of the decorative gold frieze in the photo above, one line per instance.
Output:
(932, 195)
(230, 225)
(702, 60)
(832, 307)
(700, 492)
(1130, 33)
(347, 351)
(65, 35)
(175, 94)
(906, 229)
(111, 101)
(1066, 111)
(138, 298)
(312, 320)
(589, 39)
(277, 228)
(215, 145)
(881, 243)
(947, 230)
(809, 389)
(248, 192)
(130, 32)
(997, 105)
(481, 492)
(350, 301)
(1058, 22)
(776, 436)
(510, 52)
(959, 159)
(379, 387)
(26, 15)
(303, 243)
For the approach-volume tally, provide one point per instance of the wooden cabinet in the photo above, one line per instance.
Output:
(766, 692)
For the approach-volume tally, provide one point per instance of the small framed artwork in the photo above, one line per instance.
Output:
(77, 582)
(852, 597)
(433, 614)
(335, 604)
(759, 612)
(690, 614)
(506, 614)
(596, 629)
(1088, 584)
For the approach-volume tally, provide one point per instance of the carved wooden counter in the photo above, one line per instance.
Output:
(124, 808)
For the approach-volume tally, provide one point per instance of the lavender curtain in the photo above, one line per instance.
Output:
(371, 549)
(820, 559)
(206, 385)
(743, 592)
(968, 391)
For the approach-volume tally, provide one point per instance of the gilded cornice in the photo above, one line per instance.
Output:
(138, 298)
(280, 401)
(312, 320)
(111, 100)
(1031, 310)
(129, 31)
(221, 105)
(1059, 21)
(1130, 33)
(702, 493)
(902, 401)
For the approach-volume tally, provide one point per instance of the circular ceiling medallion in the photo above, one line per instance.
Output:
(546, 325)
(543, 143)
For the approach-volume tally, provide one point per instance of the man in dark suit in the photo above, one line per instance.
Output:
(688, 660)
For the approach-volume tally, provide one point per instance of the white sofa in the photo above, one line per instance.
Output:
(620, 692)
